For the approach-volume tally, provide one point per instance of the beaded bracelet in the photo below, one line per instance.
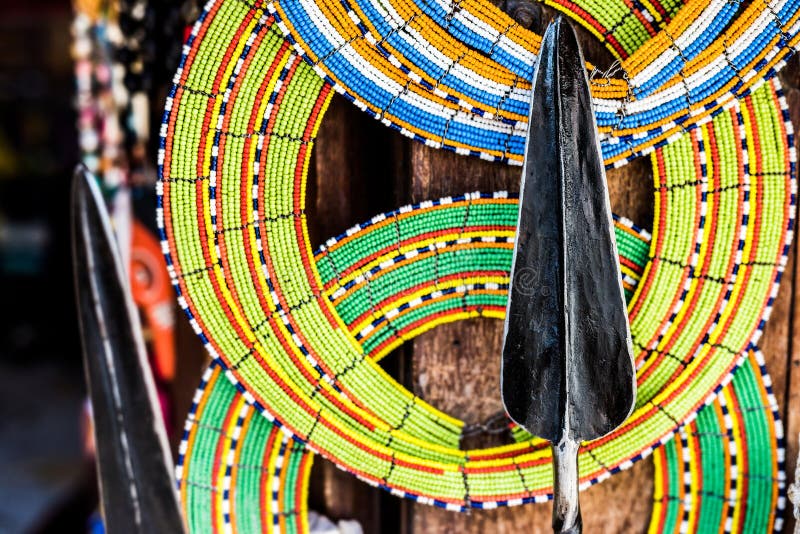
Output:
(225, 441)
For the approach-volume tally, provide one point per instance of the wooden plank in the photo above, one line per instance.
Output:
(791, 381)
(780, 348)
(779, 351)
(332, 207)
(191, 361)
(776, 344)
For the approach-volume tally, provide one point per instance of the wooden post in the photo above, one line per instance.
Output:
(357, 173)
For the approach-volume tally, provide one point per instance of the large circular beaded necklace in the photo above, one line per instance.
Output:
(237, 129)
(456, 74)
(256, 477)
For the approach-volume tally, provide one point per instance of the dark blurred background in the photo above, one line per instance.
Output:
(46, 479)
(47, 482)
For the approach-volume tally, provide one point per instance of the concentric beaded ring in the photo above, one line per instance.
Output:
(238, 129)
(722, 465)
(456, 75)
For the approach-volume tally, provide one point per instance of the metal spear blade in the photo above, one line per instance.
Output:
(134, 467)
(567, 368)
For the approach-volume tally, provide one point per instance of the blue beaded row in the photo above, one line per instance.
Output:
(467, 130)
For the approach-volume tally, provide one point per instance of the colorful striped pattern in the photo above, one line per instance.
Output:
(455, 75)
(237, 472)
(238, 128)
(724, 472)
(221, 431)
(401, 289)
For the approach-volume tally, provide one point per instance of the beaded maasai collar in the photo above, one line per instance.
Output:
(717, 472)
(456, 75)
(726, 464)
(238, 130)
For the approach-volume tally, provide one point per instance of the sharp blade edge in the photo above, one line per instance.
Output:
(567, 366)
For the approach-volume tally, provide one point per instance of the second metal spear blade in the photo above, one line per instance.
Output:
(567, 368)
(134, 466)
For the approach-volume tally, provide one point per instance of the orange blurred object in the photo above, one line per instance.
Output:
(153, 295)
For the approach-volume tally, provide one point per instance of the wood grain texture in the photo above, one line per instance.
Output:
(789, 365)
(783, 329)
